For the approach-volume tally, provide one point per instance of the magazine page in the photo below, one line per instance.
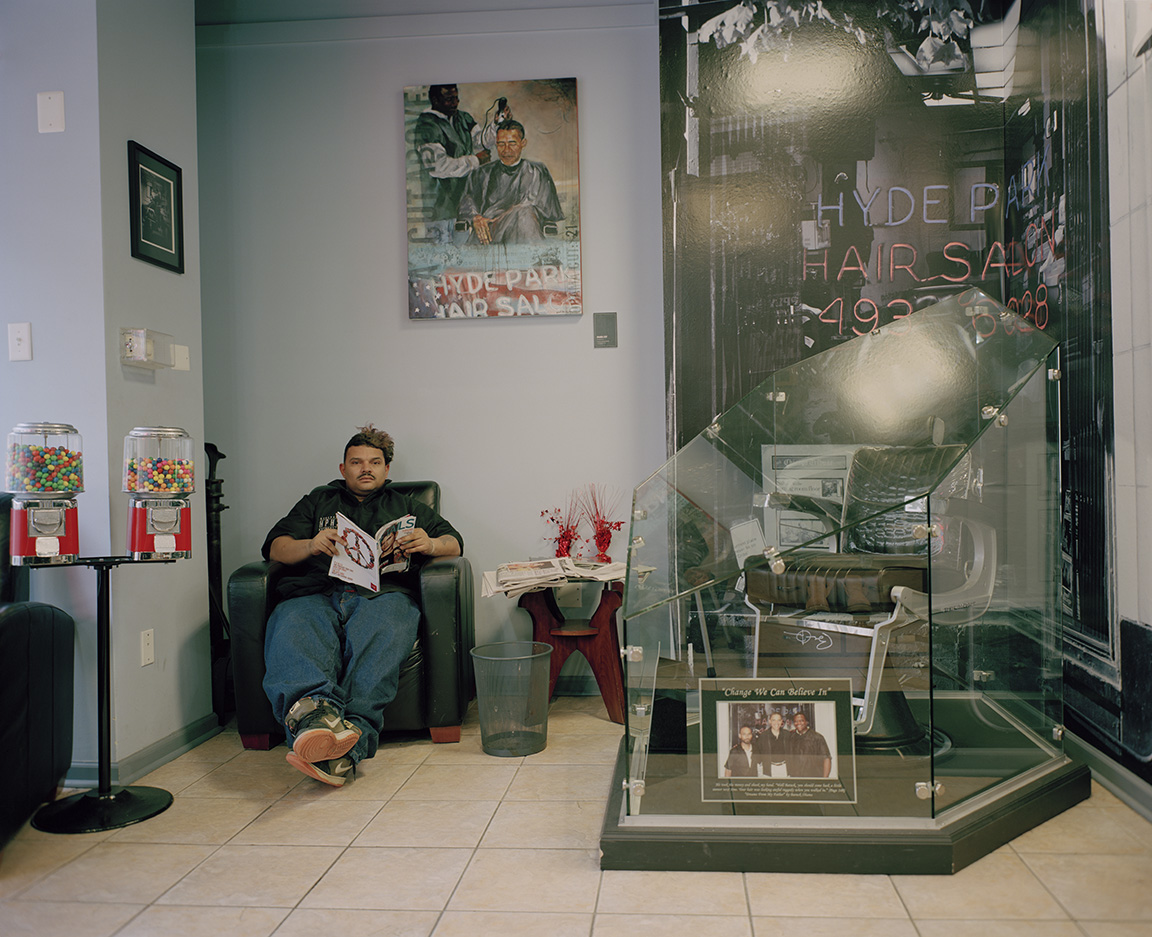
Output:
(392, 558)
(355, 559)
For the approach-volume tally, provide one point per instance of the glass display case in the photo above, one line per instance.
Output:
(841, 614)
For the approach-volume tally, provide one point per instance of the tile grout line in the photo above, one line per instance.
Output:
(904, 905)
(1044, 885)
(219, 846)
(344, 850)
(472, 858)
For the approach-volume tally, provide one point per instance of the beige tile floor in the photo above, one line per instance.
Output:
(444, 840)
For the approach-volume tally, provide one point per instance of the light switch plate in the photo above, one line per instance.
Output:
(19, 341)
(50, 111)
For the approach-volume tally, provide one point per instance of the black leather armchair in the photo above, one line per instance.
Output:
(36, 666)
(436, 681)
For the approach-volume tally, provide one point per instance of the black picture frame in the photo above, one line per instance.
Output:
(156, 208)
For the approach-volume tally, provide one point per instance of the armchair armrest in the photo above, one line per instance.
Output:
(251, 598)
(37, 648)
(447, 600)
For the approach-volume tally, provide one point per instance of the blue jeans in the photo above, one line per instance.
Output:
(344, 648)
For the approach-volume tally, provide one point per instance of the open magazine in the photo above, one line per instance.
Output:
(364, 558)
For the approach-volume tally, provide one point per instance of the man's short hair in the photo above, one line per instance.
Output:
(376, 438)
(513, 125)
(436, 93)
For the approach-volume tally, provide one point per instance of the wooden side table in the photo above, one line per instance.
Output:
(595, 638)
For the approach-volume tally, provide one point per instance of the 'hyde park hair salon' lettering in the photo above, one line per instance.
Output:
(982, 196)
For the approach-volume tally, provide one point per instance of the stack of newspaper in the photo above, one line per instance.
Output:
(514, 579)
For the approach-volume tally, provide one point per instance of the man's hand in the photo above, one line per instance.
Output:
(483, 156)
(480, 226)
(289, 551)
(325, 542)
(418, 541)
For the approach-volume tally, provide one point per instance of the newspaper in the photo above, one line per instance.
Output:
(363, 558)
(514, 579)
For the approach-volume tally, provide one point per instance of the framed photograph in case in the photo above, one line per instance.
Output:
(156, 208)
(777, 740)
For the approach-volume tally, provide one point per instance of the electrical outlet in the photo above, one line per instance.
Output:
(147, 647)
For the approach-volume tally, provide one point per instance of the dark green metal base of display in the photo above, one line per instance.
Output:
(880, 849)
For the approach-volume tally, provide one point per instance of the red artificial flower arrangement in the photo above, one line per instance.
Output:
(598, 507)
(594, 505)
(567, 522)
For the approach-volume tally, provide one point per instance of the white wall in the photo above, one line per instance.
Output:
(66, 268)
(1127, 26)
(51, 245)
(148, 94)
(306, 332)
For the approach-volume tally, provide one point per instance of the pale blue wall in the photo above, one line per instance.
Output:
(66, 268)
(304, 277)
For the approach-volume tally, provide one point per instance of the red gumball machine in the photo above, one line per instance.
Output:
(44, 470)
(159, 477)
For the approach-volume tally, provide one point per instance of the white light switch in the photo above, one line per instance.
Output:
(19, 341)
(50, 111)
(180, 361)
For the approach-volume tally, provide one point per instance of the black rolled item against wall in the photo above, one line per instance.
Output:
(223, 698)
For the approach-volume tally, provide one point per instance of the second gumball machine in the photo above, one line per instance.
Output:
(159, 478)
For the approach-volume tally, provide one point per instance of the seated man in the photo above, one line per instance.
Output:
(509, 201)
(333, 650)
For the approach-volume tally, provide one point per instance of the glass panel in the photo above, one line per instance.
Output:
(843, 590)
(995, 611)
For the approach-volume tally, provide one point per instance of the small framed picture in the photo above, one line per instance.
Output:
(156, 205)
(779, 740)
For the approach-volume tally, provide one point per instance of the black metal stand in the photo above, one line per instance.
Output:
(223, 697)
(107, 807)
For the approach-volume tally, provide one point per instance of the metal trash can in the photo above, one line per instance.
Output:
(512, 696)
